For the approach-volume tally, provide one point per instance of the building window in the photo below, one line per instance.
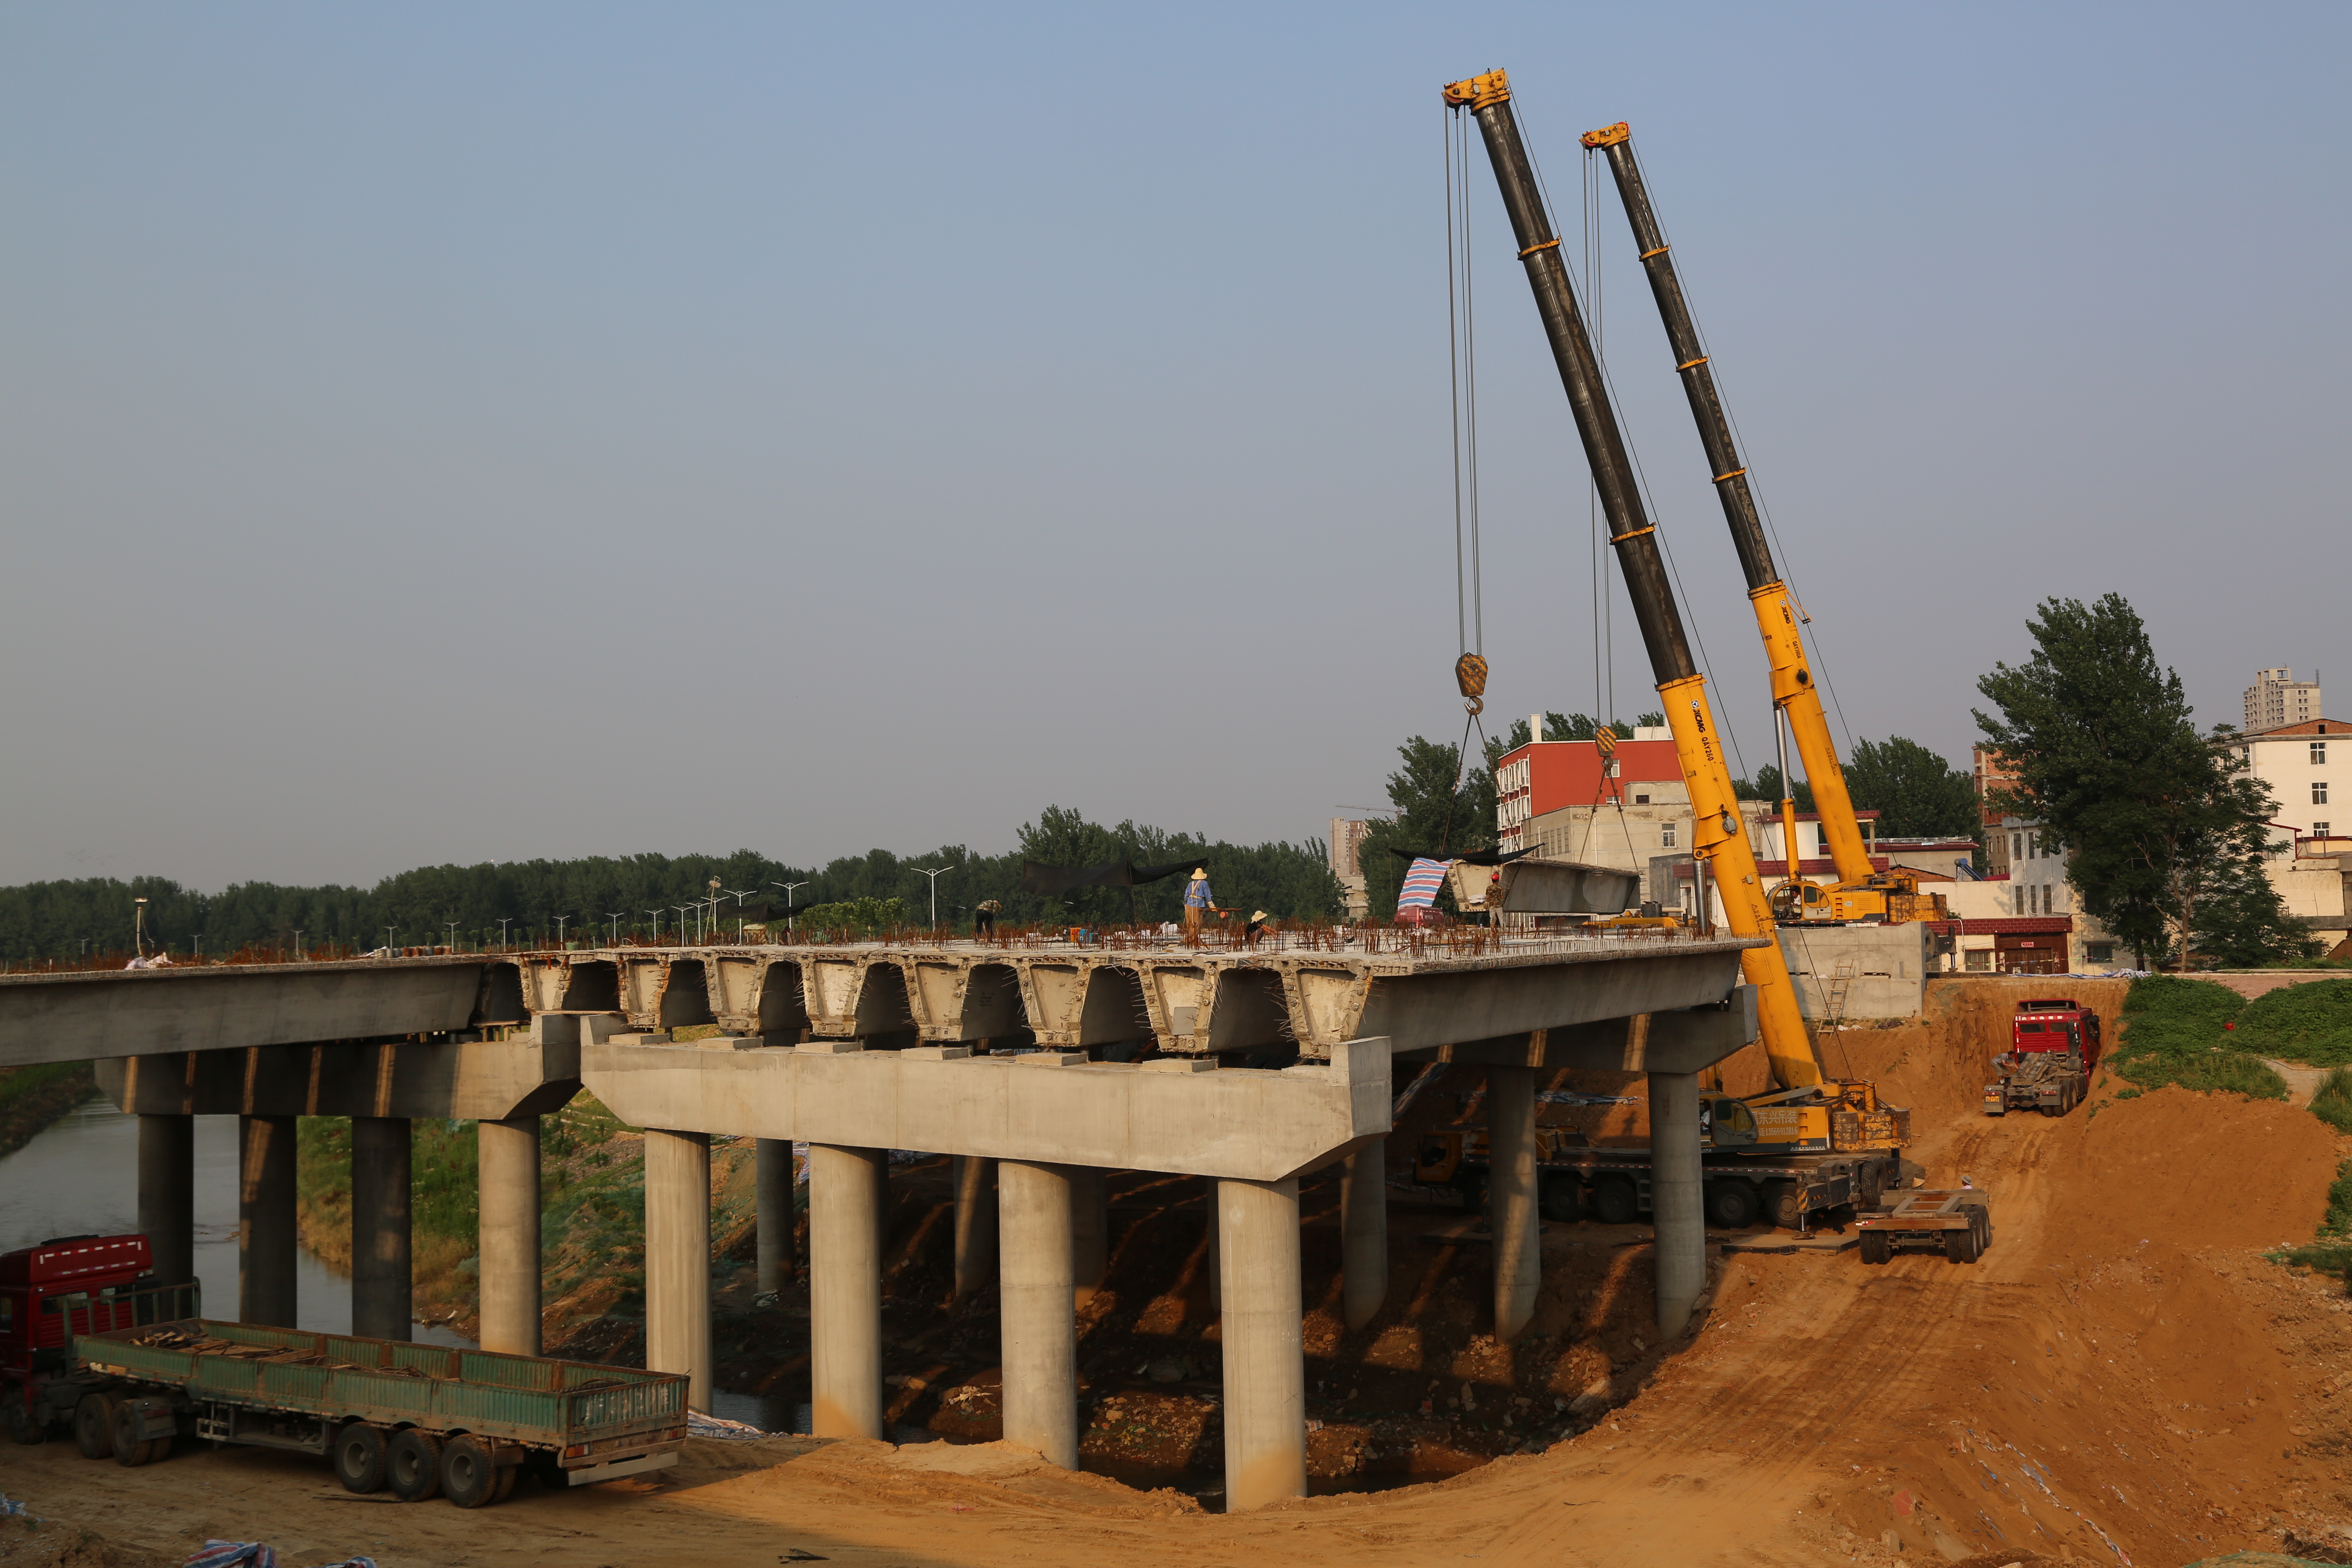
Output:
(2099, 951)
(2049, 891)
(2319, 791)
(1666, 837)
(2319, 753)
(2018, 898)
(1640, 800)
(2017, 846)
(2319, 830)
(1979, 958)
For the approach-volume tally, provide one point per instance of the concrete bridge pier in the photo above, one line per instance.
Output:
(509, 1234)
(1677, 1197)
(1215, 1244)
(773, 1187)
(1364, 1233)
(265, 1236)
(678, 1260)
(167, 1194)
(846, 1188)
(1040, 1329)
(976, 1223)
(382, 1294)
(1264, 1343)
(1511, 1190)
(1089, 1231)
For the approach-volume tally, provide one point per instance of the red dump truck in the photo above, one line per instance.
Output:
(2053, 1047)
(90, 1340)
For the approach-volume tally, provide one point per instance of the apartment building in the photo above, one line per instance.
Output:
(2277, 698)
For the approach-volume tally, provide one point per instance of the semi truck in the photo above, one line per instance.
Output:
(1745, 1177)
(2053, 1047)
(92, 1342)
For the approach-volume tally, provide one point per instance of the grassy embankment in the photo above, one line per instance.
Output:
(31, 1098)
(592, 1200)
(2202, 1035)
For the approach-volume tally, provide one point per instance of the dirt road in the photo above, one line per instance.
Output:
(2122, 1378)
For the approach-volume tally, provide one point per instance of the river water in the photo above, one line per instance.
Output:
(80, 1176)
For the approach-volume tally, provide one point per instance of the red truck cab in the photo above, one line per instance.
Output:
(48, 1294)
(2056, 1023)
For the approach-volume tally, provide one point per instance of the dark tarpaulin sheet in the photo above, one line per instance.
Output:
(1468, 857)
(1052, 881)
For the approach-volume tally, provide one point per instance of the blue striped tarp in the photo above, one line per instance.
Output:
(1421, 881)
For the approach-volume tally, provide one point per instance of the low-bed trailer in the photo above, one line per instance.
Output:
(130, 1366)
(1954, 1221)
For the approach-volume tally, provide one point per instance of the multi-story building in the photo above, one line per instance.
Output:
(2307, 766)
(1347, 865)
(2277, 698)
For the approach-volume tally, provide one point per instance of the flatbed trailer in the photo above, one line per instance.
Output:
(417, 1419)
(1954, 1221)
(1576, 1180)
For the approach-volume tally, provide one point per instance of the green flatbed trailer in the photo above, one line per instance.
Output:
(418, 1419)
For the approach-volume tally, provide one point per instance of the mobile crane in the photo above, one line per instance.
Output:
(1810, 1112)
(1860, 892)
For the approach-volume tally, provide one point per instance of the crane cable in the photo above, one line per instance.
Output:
(1462, 375)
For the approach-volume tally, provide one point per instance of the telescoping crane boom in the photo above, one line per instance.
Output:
(1809, 1111)
(1860, 892)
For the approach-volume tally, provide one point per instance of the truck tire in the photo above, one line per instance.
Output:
(1555, 1195)
(1781, 1204)
(1870, 1184)
(411, 1464)
(1980, 1223)
(1614, 1200)
(360, 1458)
(1876, 1246)
(24, 1425)
(1961, 1246)
(1731, 1204)
(469, 1476)
(130, 1445)
(93, 1426)
(509, 1475)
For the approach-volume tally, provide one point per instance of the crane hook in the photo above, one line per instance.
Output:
(1470, 675)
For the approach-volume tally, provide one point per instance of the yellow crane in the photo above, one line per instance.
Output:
(1860, 892)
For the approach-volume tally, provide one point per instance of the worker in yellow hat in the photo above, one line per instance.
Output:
(1197, 900)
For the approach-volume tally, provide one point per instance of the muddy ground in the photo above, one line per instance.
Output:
(2124, 1378)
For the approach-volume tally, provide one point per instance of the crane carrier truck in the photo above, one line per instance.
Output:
(92, 1341)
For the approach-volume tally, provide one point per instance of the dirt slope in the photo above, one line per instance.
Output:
(2121, 1380)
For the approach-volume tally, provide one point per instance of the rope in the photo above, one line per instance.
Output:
(1461, 372)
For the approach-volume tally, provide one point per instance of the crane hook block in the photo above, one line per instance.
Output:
(1605, 739)
(1479, 91)
(1608, 136)
(1470, 675)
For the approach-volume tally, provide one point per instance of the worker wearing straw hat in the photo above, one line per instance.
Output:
(1197, 898)
(1260, 923)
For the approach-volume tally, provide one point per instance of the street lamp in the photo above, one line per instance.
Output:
(935, 876)
(558, 928)
(680, 909)
(657, 914)
(389, 933)
(502, 931)
(616, 926)
(788, 888)
(298, 946)
(453, 934)
(139, 927)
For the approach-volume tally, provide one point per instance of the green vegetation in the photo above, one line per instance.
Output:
(2331, 1250)
(2332, 1103)
(2173, 1032)
(33, 1097)
(2310, 1023)
(859, 917)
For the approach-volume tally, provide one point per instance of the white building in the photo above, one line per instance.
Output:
(2277, 698)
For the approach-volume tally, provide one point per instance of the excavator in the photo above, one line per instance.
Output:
(1810, 1113)
(1860, 892)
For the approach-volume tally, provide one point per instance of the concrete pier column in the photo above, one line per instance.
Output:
(381, 1292)
(845, 1187)
(1089, 1231)
(265, 1235)
(1040, 1332)
(1265, 1367)
(975, 1223)
(774, 1186)
(509, 1234)
(677, 1258)
(167, 1194)
(1511, 1197)
(1364, 1233)
(1216, 1251)
(1677, 1197)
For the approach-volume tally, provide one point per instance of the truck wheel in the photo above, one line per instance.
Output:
(1472, 1185)
(130, 1444)
(1614, 1200)
(360, 1458)
(24, 1426)
(1781, 1205)
(1555, 1196)
(507, 1476)
(1870, 1184)
(411, 1464)
(1961, 1246)
(93, 1426)
(469, 1476)
(1730, 1205)
(1876, 1246)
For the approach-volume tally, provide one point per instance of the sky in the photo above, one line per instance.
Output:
(450, 433)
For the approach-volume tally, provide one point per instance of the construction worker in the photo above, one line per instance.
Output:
(1197, 898)
(1260, 923)
(984, 918)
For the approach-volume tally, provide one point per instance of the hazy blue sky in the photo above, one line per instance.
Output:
(449, 433)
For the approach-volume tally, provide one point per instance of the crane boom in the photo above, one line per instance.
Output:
(1719, 837)
(1776, 615)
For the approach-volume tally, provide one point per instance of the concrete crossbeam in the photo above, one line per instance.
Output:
(477, 1079)
(1257, 1125)
(1682, 1041)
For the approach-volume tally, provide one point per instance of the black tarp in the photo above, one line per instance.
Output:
(1053, 881)
(1468, 857)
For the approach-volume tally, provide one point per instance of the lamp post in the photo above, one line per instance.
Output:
(616, 926)
(453, 934)
(935, 876)
(389, 933)
(139, 925)
(558, 928)
(788, 888)
(657, 937)
(502, 931)
(681, 910)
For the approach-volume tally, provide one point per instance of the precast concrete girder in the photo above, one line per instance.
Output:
(1534, 887)
(1685, 1040)
(1177, 1116)
(472, 1080)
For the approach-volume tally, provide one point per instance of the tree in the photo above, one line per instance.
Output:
(1572, 727)
(1918, 794)
(1431, 815)
(2165, 837)
(1767, 787)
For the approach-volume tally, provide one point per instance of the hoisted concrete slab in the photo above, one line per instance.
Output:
(1536, 887)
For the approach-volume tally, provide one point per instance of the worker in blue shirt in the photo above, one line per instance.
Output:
(1197, 898)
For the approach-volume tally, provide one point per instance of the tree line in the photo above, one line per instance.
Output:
(592, 898)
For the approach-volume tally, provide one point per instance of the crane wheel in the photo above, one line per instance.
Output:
(1614, 1200)
(1555, 1196)
(1730, 1205)
(1781, 1205)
